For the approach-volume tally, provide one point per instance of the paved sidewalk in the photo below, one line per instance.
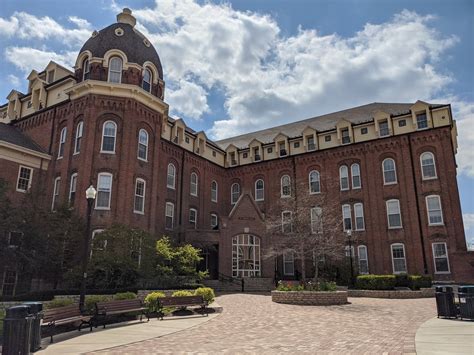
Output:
(445, 336)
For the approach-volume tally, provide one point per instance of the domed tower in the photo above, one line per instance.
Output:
(120, 54)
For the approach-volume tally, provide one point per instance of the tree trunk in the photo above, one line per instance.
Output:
(303, 264)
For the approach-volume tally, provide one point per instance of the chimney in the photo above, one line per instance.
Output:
(126, 17)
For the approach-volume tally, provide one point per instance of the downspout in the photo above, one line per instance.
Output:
(181, 186)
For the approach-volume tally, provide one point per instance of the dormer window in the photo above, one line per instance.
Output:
(147, 77)
(115, 70)
(282, 149)
(421, 121)
(310, 143)
(383, 128)
(346, 139)
(86, 70)
(256, 154)
(50, 76)
(232, 159)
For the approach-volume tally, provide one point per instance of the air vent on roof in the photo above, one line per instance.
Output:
(119, 32)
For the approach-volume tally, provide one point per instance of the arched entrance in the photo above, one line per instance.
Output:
(245, 256)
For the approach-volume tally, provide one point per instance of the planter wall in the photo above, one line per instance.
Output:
(397, 294)
(312, 298)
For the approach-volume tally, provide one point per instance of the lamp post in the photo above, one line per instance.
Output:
(349, 242)
(91, 193)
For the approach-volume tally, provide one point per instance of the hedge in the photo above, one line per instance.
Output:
(49, 295)
(389, 282)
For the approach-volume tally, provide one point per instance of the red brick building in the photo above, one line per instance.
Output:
(390, 167)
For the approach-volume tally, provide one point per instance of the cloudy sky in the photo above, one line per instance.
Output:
(237, 66)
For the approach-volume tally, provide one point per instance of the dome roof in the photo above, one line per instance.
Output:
(133, 43)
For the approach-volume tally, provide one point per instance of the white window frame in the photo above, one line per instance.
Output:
(19, 176)
(62, 142)
(171, 175)
(359, 213)
(282, 195)
(317, 180)
(417, 122)
(232, 193)
(388, 215)
(169, 206)
(214, 191)
(195, 217)
(434, 166)
(86, 65)
(343, 168)
(440, 257)
(78, 138)
(115, 71)
(94, 233)
(103, 136)
(99, 189)
(283, 221)
(142, 211)
(144, 144)
(288, 258)
(393, 259)
(259, 190)
(214, 216)
(440, 210)
(380, 129)
(394, 170)
(73, 186)
(360, 259)
(147, 70)
(353, 167)
(56, 188)
(193, 185)
(346, 214)
(316, 212)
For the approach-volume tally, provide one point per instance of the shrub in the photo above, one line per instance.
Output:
(309, 286)
(181, 293)
(92, 300)
(151, 301)
(402, 280)
(125, 296)
(59, 302)
(207, 294)
(417, 281)
(376, 282)
(327, 286)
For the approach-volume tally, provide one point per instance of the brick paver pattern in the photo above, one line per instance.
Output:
(254, 324)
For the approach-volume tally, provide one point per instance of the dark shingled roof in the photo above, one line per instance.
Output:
(131, 43)
(13, 135)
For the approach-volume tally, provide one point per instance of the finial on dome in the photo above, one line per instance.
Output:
(126, 17)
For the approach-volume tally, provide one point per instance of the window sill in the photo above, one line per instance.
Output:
(395, 228)
(390, 183)
(143, 160)
(22, 191)
(435, 224)
(59, 158)
(102, 208)
(75, 153)
(357, 188)
(139, 212)
(442, 272)
(106, 152)
(315, 193)
(430, 178)
(171, 187)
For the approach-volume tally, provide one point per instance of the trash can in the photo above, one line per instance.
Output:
(445, 302)
(16, 331)
(36, 310)
(466, 302)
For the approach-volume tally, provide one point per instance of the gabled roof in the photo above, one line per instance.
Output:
(13, 135)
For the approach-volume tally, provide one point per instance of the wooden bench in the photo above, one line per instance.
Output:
(65, 315)
(104, 309)
(182, 301)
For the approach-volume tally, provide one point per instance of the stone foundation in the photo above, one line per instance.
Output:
(396, 294)
(310, 298)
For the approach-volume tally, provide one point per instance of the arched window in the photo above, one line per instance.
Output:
(394, 215)
(344, 177)
(169, 215)
(171, 176)
(147, 79)
(285, 186)
(77, 141)
(139, 202)
(85, 69)
(104, 191)
(109, 133)
(143, 145)
(363, 259)
(359, 216)
(259, 190)
(355, 172)
(193, 217)
(314, 182)
(428, 168)
(115, 70)
(72, 188)
(194, 184)
(346, 217)
(234, 193)
(214, 191)
(389, 171)
(56, 188)
(62, 142)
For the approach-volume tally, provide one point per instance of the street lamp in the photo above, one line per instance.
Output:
(349, 242)
(91, 193)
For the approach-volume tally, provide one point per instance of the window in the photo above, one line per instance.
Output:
(193, 217)
(285, 186)
(286, 222)
(389, 171)
(147, 78)
(214, 221)
(345, 136)
(314, 182)
(428, 168)
(62, 142)
(235, 193)
(109, 133)
(344, 177)
(440, 258)
(363, 260)
(435, 214)
(349, 251)
(393, 214)
(398, 259)
(56, 188)
(311, 145)
(9, 282)
(86, 69)
(50, 76)
(169, 216)
(143, 145)
(186, 139)
(383, 128)
(296, 144)
(364, 130)
(77, 141)
(171, 176)
(24, 179)
(355, 172)
(245, 256)
(214, 154)
(259, 190)
(288, 264)
(115, 70)
(282, 149)
(316, 220)
(104, 191)
(327, 138)
(421, 121)
(214, 191)
(232, 159)
(256, 154)
(14, 239)
(402, 123)
(270, 150)
(359, 216)
(139, 202)
(72, 188)
(194, 184)
(245, 155)
(97, 245)
(346, 217)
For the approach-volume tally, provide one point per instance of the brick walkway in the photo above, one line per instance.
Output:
(254, 324)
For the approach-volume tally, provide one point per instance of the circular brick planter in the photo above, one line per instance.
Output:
(310, 298)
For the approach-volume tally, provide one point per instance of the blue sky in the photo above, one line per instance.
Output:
(233, 67)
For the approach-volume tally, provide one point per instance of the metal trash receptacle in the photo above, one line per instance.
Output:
(466, 302)
(36, 310)
(16, 330)
(445, 302)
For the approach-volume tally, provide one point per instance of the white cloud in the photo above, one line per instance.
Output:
(464, 115)
(468, 219)
(187, 99)
(27, 58)
(14, 80)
